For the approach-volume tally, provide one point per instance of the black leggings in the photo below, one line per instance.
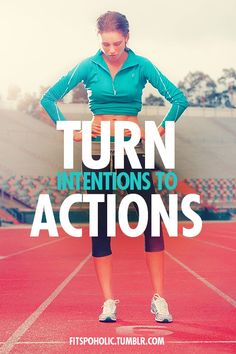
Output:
(101, 244)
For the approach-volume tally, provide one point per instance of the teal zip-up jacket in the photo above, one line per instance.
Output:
(121, 96)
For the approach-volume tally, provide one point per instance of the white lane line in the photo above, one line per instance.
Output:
(229, 237)
(31, 248)
(219, 234)
(13, 339)
(226, 297)
(217, 245)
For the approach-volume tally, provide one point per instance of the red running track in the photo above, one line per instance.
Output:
(49, 293)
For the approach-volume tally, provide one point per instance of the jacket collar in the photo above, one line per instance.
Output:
(129, 62)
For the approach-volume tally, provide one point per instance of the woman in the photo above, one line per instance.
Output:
(114, 78)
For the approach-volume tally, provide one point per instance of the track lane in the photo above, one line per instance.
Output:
(197, 309)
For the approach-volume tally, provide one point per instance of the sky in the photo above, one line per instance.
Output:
(43, 39)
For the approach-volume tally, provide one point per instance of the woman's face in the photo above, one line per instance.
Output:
(112, 44)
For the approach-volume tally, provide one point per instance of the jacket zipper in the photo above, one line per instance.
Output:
(112, 81)
(114, 90)
(113, 87)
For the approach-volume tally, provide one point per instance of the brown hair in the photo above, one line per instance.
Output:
(113, 21)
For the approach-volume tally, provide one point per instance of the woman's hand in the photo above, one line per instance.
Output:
(96, 130)
(77, 136)
(127, 132)
(161, 130)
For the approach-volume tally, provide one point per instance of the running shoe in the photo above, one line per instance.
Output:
(109, 311)
(159, 308)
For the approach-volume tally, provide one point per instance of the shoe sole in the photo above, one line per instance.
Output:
(164, 321)
(107, 319)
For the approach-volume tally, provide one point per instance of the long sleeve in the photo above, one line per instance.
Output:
(168, 90)
(65, 84)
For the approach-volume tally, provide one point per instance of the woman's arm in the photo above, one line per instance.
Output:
(161, 130)
(65, 84)
(168, 90)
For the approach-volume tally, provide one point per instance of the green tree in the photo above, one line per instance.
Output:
(79, 94)
(228, 79)
(153, 100)
(199, 88)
